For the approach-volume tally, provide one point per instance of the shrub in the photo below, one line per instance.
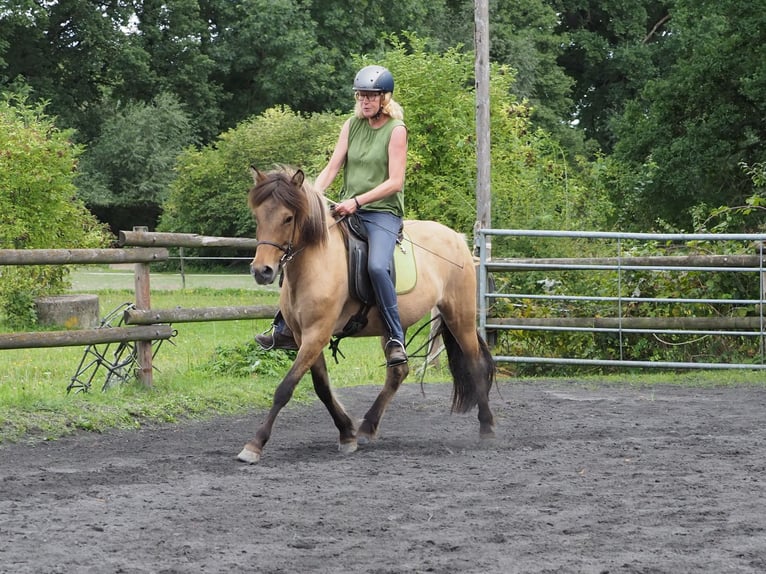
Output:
(38, 209)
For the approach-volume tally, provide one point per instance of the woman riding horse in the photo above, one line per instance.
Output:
(372, 149)
(299, 242)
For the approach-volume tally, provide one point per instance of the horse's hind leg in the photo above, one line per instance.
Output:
(485, 376)
(473, 372)
(321, 380)
(368, 430)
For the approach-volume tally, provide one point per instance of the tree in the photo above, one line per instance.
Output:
(525, 36)
(38, 208)
(614, 47)
(683, 138)
(224, 61)
(170, 47)
(532, 186)
(125, 173)
(347, 29)
(210, 194)
(64, 51)
(270, 55)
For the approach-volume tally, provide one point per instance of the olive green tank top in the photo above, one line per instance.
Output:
(366, 164)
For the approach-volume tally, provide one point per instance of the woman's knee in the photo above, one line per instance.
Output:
(377, 272)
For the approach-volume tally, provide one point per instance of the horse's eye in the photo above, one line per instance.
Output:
(288, 220)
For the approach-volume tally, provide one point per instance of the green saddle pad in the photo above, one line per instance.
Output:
(404, 263)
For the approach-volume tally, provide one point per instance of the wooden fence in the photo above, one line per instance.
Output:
(143, 324)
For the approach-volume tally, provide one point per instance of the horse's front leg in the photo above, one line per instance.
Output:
(321, 380)
(368, 430)
(252, 451)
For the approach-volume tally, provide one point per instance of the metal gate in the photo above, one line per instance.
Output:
(732, 253)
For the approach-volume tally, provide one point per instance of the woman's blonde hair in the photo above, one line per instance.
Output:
(390, 107)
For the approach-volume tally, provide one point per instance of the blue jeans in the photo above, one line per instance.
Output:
(382, 230)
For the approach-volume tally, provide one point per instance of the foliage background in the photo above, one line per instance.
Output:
(37, 205)
(531, 181)
(638, 115)
(658, 103)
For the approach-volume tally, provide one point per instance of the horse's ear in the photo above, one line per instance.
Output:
(258, 177)
(298, 179)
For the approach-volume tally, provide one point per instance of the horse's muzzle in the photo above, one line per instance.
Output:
(263, 275)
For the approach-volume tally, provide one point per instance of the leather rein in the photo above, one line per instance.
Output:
(288, 251)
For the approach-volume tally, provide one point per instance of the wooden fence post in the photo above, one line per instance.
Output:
(143, 301)
(183, 272)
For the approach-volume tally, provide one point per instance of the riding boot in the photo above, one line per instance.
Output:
(280, 337)
(395, 353)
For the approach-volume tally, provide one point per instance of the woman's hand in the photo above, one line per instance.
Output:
(346, 207)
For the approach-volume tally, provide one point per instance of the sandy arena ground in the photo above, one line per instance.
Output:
(579, 479)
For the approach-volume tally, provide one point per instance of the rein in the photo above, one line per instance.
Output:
(288, 253)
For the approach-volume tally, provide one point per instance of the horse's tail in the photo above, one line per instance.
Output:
(470, 378)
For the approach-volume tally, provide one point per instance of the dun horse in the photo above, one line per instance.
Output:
(297, 237)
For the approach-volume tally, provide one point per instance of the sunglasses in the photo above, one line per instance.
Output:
(366, 95)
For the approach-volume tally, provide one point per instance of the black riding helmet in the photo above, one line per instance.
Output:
(374, 79)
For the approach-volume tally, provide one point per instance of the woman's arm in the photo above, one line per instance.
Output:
(397, 165)
(338, 158)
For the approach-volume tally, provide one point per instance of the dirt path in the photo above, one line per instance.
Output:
(578, 480)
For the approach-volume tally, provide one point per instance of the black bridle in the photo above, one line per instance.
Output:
(288, 250)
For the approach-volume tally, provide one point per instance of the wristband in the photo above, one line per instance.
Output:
(357, 203)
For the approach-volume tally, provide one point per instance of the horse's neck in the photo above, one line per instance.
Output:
(319, 264)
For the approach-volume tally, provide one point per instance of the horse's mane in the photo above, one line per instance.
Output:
(290, 187)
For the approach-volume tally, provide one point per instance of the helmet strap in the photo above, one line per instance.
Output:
(380, 108)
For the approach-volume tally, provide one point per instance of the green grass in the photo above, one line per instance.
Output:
(189, 381)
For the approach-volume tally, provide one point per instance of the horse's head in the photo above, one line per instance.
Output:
(289, 216)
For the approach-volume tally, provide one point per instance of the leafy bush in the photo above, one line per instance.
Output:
(38, 208)
(532, 185)
(209, 196)
(124, 175)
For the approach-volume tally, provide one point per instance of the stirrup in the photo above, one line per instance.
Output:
(395, 353)
(274, 339)
(267, 339)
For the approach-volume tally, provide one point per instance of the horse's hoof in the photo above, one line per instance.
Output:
(364, 439)
(487, 435)
(365, 433)
(249, 456)
(347, 447)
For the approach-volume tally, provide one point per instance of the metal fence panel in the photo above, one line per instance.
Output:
(619, 263)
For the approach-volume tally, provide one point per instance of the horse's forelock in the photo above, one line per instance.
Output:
(278, 186)
(305, 202)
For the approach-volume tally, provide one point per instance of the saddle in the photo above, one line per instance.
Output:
(360, 285)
